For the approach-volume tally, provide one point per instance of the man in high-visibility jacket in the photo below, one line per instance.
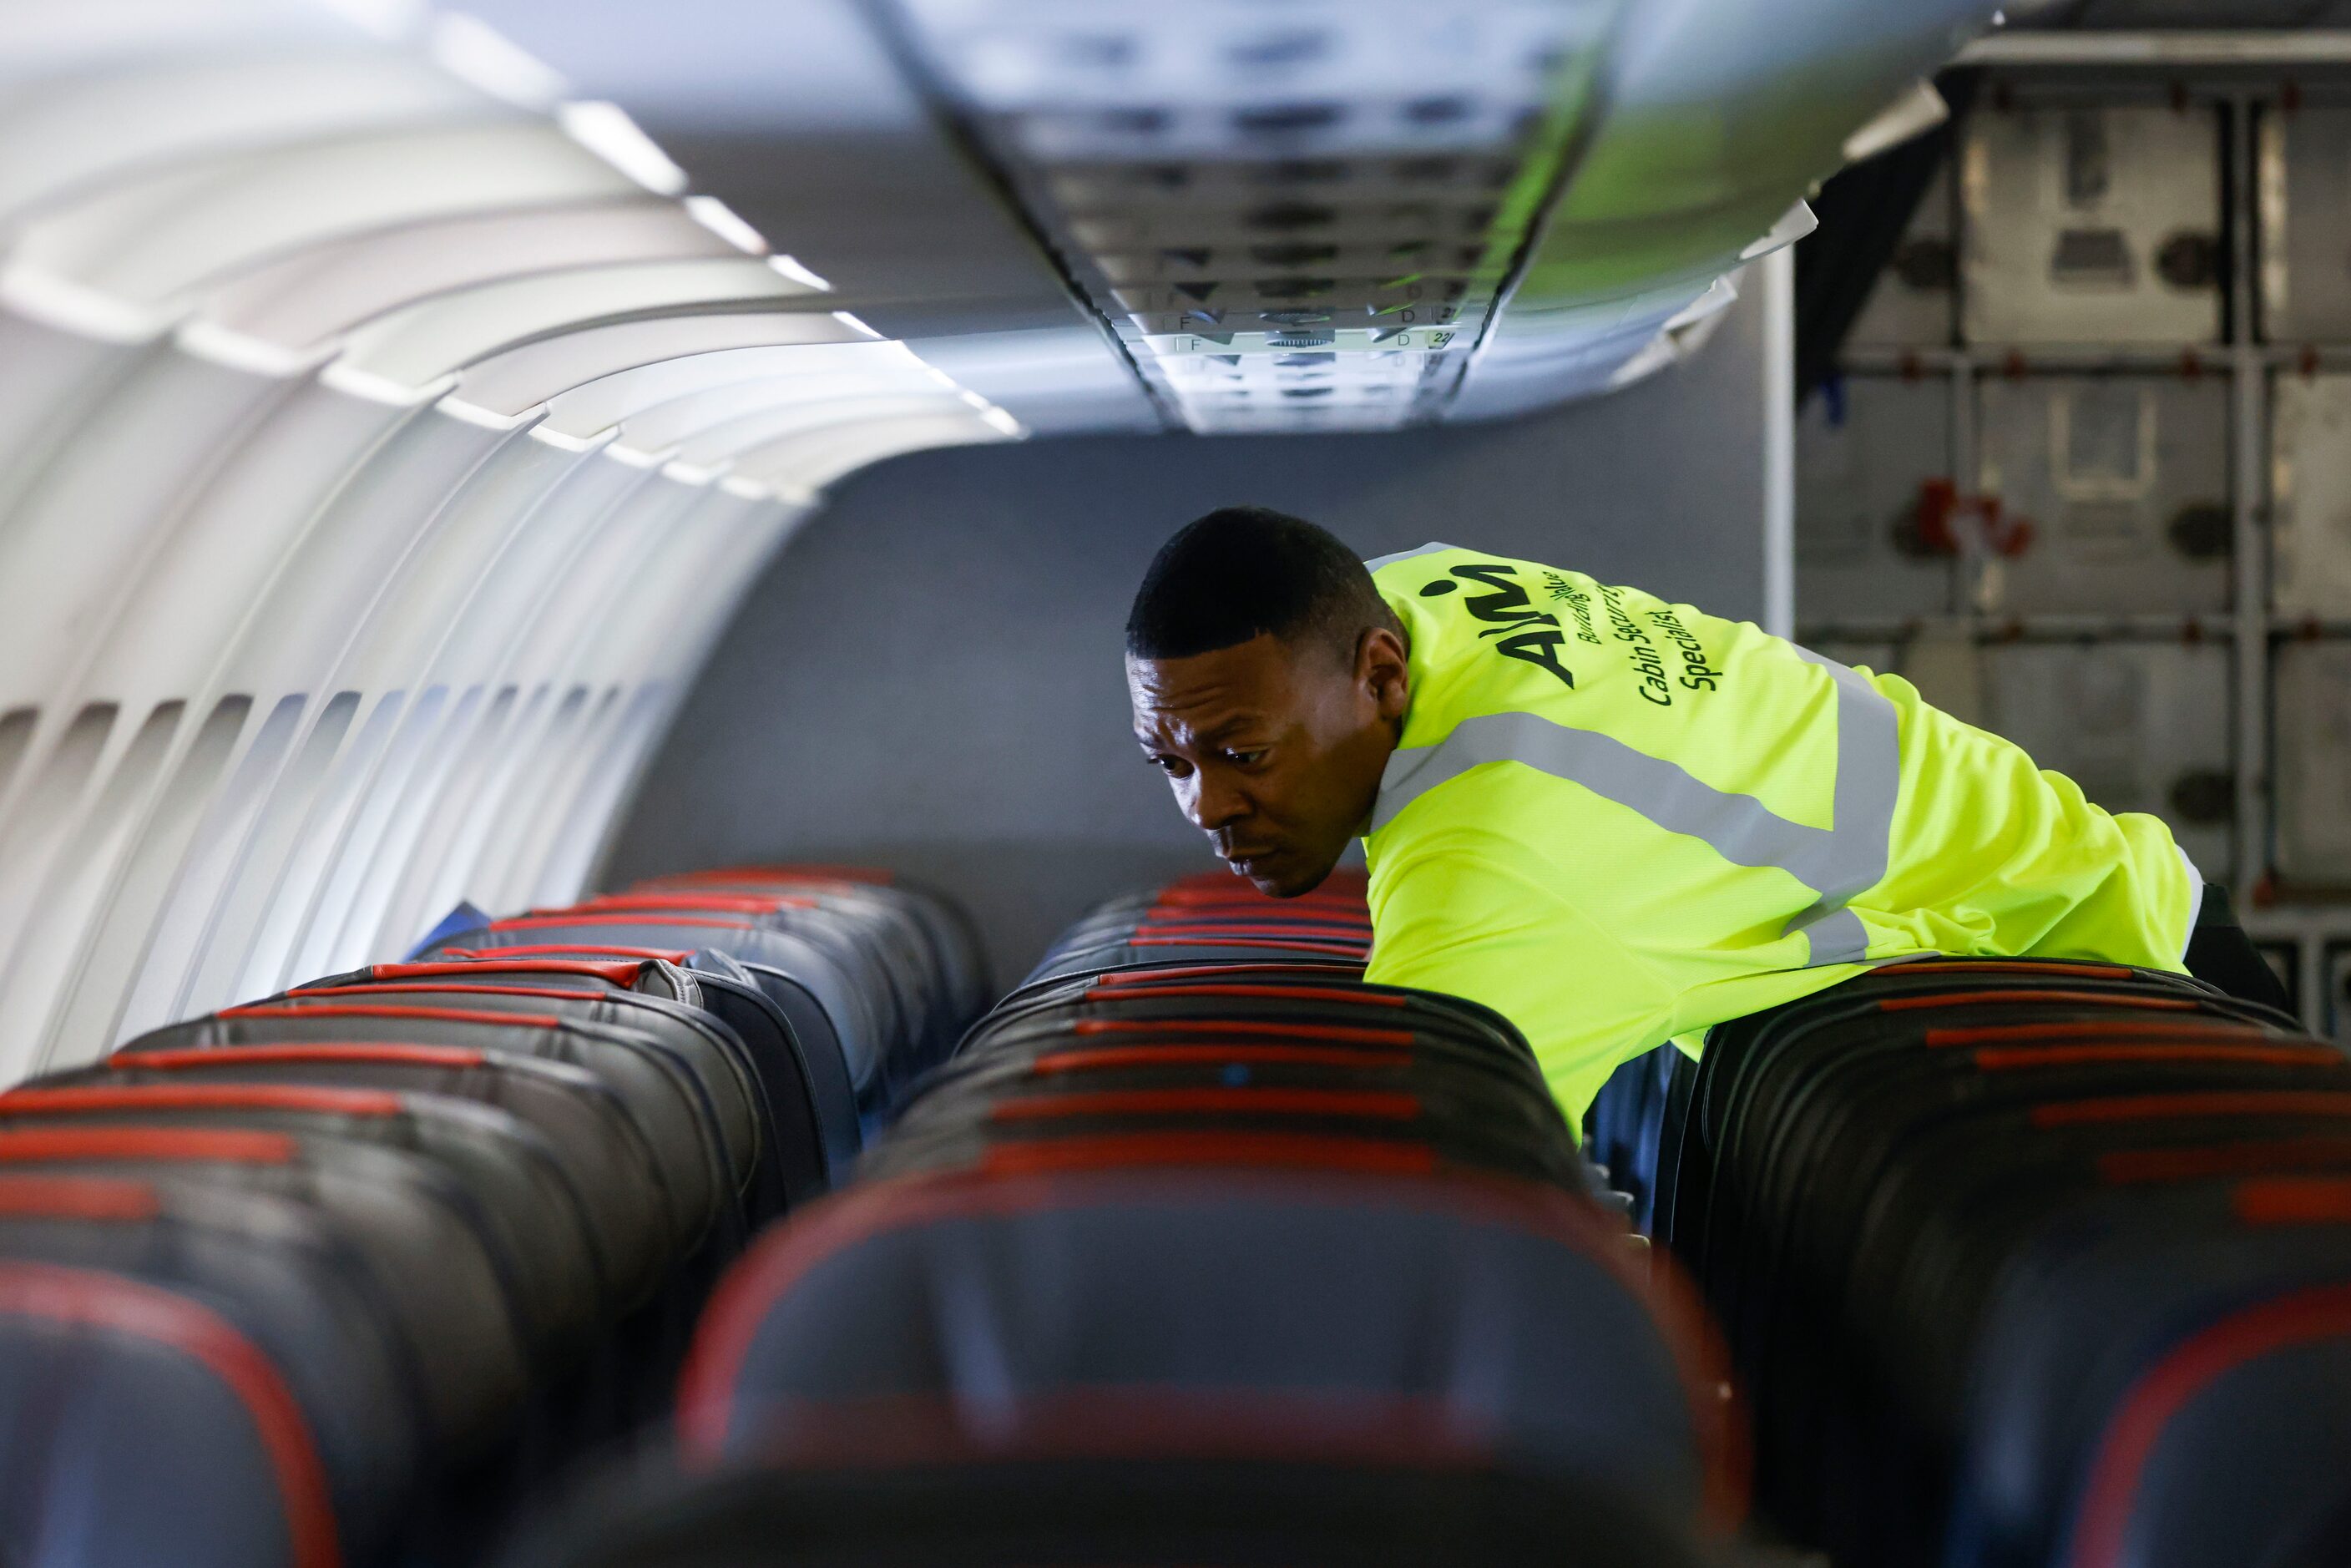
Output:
(1616, 821)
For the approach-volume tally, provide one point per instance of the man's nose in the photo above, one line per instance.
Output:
(1215, 803)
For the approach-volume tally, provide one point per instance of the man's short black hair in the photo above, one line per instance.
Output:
(1243, 571)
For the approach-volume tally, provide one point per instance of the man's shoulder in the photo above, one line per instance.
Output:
(1447, 852)
(1488, 633)
(1408, 570)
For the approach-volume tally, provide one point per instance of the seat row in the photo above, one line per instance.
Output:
(2023, 1263)
(334, 1275)
(1212, 919)
(1201, 1250)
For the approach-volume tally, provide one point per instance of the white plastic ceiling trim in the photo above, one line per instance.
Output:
(460, 327)
(316, 293)
(46, 39)
(811, 459)
(523, 378)
(673, 421)
(153, 238)
(486, 59)
(57, 136)
(727, 441)
(1795, 225)
(606, 129)
(1915, 111)
(614, 398)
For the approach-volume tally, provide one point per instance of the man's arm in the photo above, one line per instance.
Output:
(1462, 913)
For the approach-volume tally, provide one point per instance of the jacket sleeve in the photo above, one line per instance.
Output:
(1461, 914)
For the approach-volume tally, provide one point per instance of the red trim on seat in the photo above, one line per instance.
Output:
(1263, 943)
(1181, 914)
(1280, 1151)
(2293, 1200)
(543, 993)
(2001, 1059)
(1990, 998)
(1349, 876)
(2014, 966)
(204, 1097)
(1118, 1056)
(1354, 925)
(1283, 993)
(1286, 915)
(619, 974)
(2161, 1107)
(2130, 1167)
(1147, 977)
(1227, 888)
(393, 1010)
(76, 1197)
(888, 1431)
(498, 954)
(2097, 1028)
(1377, 1104)
(1338, 889)
(1085, 1028)
(777, 1262)
(324, 1052)
(2163, 1390)
(1304, 931)
(546, 922)
(226, 1145)
(1240, 896)
(109, 1302)
(720, 903)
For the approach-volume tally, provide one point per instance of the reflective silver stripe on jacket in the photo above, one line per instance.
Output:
(1375, 565)
(1837, 862)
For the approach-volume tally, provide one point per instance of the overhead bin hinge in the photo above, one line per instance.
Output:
(1915, 111)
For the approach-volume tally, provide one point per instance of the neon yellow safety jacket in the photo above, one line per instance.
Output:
(1618, 821)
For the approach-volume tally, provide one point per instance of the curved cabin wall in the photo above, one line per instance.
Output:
(325, 674)
(383, 440)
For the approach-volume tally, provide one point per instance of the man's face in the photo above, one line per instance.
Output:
(1274, 749)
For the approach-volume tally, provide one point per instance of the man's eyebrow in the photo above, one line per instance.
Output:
(1237, 722)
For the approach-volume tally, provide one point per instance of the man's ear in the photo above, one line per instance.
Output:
(1383, 672)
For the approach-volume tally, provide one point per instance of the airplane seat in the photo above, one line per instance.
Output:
(712, 1067)
(695, 1118)
(788, 969)
(519, 1167)
(1506, 1313)
(758, 1002)
(1177, 1485)
(1210, 919)
(1246, 1195)
(1997, 1243)
(208, 1458)
(222, 1268)
(946, 928)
